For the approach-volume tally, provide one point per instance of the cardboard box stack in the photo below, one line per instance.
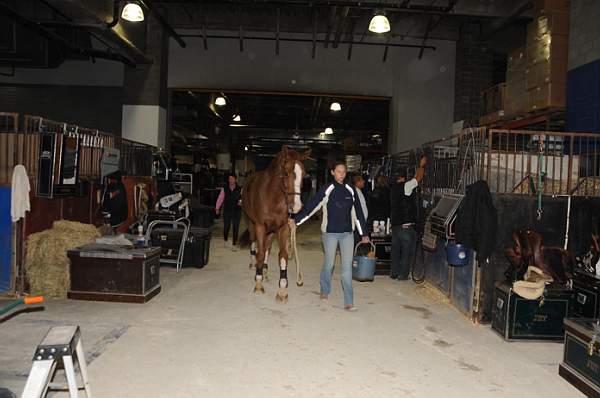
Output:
(546, 54)
(493, 104)
(517, 97)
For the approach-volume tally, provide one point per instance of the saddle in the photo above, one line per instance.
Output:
(550, 264)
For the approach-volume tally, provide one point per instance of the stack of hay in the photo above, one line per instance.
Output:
(47, 264)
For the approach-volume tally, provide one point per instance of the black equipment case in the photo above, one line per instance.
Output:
(517, 318)
(383, 254)
(197, 246)
(581, 360)
(586, 296)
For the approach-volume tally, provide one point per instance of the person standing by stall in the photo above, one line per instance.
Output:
(359, 185)
(342, 213)
(230, 200)
(403, 220)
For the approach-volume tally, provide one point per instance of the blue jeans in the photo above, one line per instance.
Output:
(330, 243)
(403, 251)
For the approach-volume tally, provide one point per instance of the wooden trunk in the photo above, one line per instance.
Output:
(581, 360)
(114, 273)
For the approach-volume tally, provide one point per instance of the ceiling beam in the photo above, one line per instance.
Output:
(204, 39)
(152, 10)
(341, 26)
(332, 18)
(315, 22)
(350, 37)
(277, 34)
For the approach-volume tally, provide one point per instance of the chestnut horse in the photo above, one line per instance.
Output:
(269, 197)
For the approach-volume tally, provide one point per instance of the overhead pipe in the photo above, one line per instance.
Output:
(151, 9)
(139, 57)
(68, 22)
(310, 41)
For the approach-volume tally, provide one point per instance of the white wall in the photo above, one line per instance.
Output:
(145, 123)
(422, 91)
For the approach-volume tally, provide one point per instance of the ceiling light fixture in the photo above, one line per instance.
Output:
(246, 148)
(132, 12)
(328, 131)
(379, 23)
(237, 118)
(220, 101)
(335, 107)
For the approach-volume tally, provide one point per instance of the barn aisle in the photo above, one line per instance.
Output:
(208, 335)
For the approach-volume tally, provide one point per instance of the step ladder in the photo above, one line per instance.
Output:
(60, 346)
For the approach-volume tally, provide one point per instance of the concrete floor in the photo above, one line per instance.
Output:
(208, 335)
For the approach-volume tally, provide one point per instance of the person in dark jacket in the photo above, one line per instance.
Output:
(477, 220)
(114, 200)
(230, 199)
(403, 220)
(342, 213)
(379, 200)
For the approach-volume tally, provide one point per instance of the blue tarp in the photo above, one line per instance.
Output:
(5, 240)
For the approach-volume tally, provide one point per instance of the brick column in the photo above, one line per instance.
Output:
(474, 73)
(145, 91)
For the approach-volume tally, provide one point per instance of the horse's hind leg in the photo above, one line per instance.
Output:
(282, 238)
(252, 244)
(260, 257)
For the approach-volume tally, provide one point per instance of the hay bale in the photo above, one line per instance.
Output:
(46, 262)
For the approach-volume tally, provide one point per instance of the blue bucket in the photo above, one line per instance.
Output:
(363, 267)
(457, 254)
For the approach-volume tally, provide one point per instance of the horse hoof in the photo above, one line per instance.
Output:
(300, 283)
(281, 296)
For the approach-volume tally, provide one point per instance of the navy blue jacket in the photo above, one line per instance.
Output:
(341, 209)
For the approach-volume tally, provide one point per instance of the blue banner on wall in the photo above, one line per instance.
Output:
(583, 98)
(5, 240)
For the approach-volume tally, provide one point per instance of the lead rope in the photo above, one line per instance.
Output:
(299, 278)
(541, 174)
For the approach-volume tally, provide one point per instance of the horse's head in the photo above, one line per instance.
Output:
(290, 165)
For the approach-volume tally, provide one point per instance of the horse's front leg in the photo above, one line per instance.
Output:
(282, 238)
(260, 258)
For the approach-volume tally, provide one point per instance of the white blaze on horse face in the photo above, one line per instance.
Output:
(283, 265)
(297, 186)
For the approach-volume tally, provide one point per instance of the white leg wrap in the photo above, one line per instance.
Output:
(253, 256)
(283, 283)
